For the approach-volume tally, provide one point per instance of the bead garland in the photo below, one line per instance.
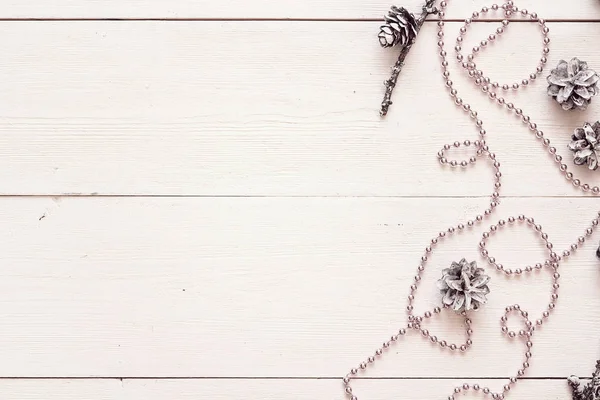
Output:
(551, 264)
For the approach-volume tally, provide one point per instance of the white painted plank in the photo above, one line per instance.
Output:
(261, 287)
(279, 389)
(248, 9)
(266, 108)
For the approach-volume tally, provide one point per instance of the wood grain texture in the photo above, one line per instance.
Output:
(279, 221)
(255, 389)
(263, 108)
(264, 287)
(252, 9)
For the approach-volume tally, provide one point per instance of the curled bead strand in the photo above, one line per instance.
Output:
(494, 92)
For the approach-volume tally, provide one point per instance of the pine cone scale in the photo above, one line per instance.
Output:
(583, 93)
(481, 280)
(478, 297)
(448, 298)
(586, 78)
(565, 92)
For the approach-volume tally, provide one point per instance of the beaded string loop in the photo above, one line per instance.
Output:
(482, 150)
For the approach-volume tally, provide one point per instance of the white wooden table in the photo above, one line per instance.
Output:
(200, 201)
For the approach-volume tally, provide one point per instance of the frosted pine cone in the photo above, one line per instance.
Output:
(589, 391)
(400, 28)
(586, 145)
(572, 84)
(464, 286)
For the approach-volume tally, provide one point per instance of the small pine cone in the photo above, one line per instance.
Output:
(464, 286)
(400, 28)
(588, 391)
(585, 144)
(572, 84)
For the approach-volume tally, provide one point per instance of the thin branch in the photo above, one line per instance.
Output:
(390, 84)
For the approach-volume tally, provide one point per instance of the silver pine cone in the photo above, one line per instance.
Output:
(400, 28)
(464, 286)
(573, 84)
(585, 144)
(589, 391)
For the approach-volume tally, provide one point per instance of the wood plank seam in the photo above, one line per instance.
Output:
(332, 20)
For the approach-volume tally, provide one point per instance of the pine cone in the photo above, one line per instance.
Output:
(586, 145)
(400, 28)
(572, 84)
(589, 391)
(464, 286)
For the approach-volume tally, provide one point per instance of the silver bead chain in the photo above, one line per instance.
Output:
(551, 264)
